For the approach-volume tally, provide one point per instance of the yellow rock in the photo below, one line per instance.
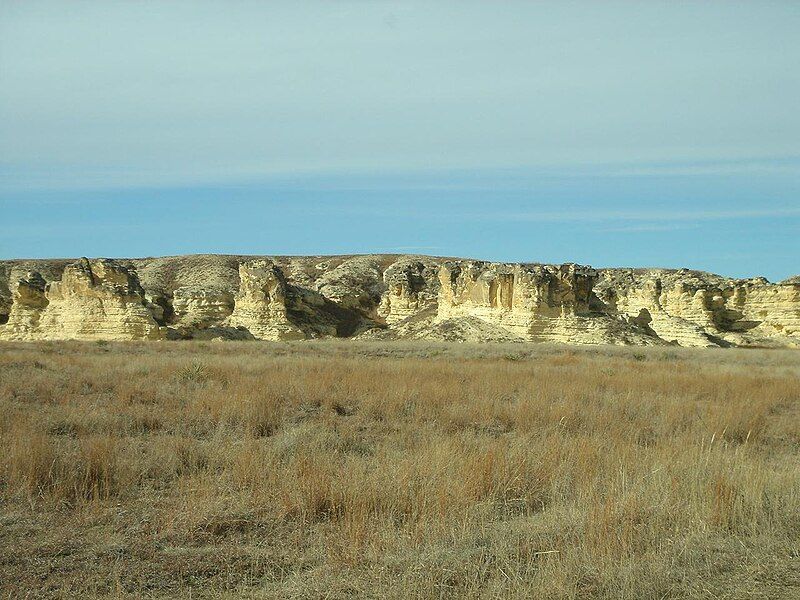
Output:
(260, 304)
(389, 296)
(94, 300)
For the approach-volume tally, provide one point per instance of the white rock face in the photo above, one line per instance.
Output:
(29, 301)
(95, 300)
(260, 304)
(533, 302)
(389, 296)
(703, 310)
(411, 286)
(194, 306)
(767, 310)
(357, 284)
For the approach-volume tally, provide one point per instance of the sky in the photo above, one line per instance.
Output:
(644, 134)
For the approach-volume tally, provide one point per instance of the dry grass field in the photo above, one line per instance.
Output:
(381, 470)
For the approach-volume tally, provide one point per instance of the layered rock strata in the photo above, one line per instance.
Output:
(411, 286)
(389, 296)
(29, 302)
(94, 300)
(534, 302)
(698, 309)
(198, 308)
(260, 304)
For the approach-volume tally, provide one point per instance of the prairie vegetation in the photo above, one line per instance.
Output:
(399, 470)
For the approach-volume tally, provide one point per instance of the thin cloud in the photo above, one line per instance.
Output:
(648, 228)
(593, 215)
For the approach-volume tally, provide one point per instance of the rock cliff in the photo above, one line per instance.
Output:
(260, 306)
(93, 300)
(389, 296)
(534, 302)
(691, 308)
(410, 286)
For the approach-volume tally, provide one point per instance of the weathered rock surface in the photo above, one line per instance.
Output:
(411, 285)
(199, 308)
(699, 309)
(29, 301)
(357, 284)
(389, 296)
(96, 299)
(260, 306)
(534, 302)
(5, 294)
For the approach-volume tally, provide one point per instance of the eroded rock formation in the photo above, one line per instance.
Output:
(389, 296)
(94, 300)
(411, 286)
(534, 302)
(260, 306)
(699, 309)
(29, 301)
(198, 308)
(356, 284)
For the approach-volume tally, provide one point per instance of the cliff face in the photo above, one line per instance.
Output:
(93, 300)
(698, 309)
(389, 296)
(411, 286)
(534, 302)
(195, 307)
(26, 308)
(260, 306)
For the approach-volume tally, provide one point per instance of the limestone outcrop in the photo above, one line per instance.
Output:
(766, 310)
(29, 301)
(5, 294)
(389, 297)
(554, 303)
(94, 300)
(699, 309)
(411, 286)
(356, 283)
(197, 307)
(260, 306)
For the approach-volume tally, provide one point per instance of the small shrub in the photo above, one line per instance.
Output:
(195, 372)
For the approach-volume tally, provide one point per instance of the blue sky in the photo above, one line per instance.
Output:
(637, 134)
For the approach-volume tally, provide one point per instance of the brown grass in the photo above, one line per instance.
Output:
(398, 470)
